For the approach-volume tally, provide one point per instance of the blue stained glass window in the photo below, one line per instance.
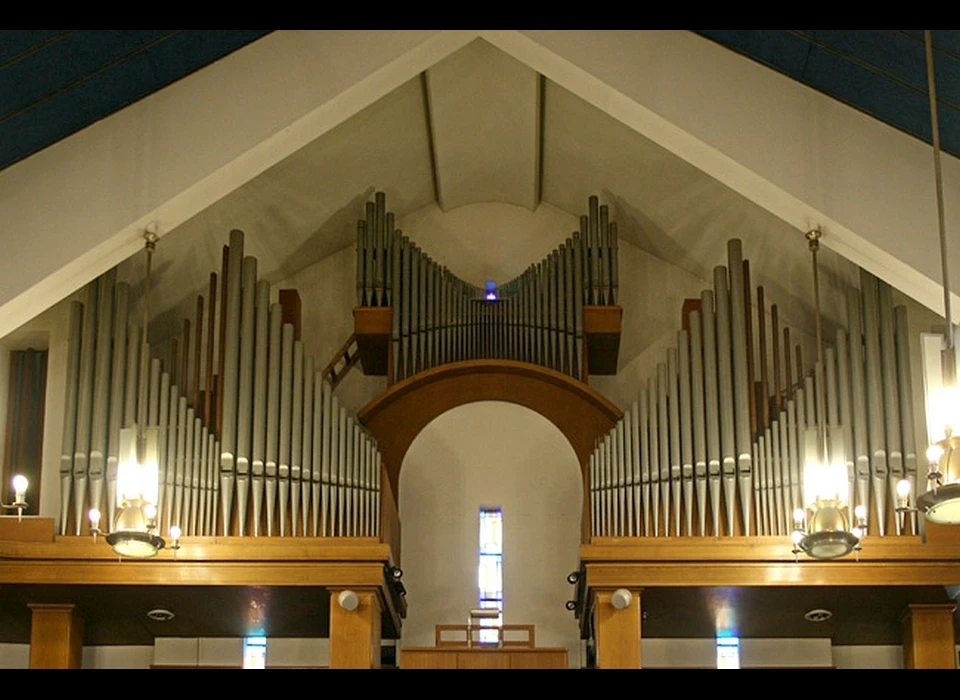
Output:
(490, 569)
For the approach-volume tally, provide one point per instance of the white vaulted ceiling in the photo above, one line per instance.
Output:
(455, 118)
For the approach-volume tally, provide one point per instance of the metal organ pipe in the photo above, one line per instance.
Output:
(688, 420)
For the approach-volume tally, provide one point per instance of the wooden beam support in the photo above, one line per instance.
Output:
(56, 636)
(617, 631)
(928, 636)
(355, 634)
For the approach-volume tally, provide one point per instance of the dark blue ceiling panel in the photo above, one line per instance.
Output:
(881, 72)
(53, 84)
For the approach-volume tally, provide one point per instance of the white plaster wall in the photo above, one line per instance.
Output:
(868, 657)
(168, 156)
(656, 653)
(490, 454)
(780, 653)
(294, 652)
(117, 657)
(14, 656)
(678, 653)
(800, 154)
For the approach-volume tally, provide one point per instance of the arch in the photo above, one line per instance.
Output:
(398, 415)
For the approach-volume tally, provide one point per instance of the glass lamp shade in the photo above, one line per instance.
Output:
(138, 471)
(942, 504)
(827, 536)
(134, 530)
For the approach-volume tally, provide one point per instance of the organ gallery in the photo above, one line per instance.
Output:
(693, 415)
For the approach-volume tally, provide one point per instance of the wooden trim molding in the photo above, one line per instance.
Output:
(764, 561)
(398, 415)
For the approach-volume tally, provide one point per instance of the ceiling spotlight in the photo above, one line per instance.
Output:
(570, 605)
(573, 577)
(160, 615)
(817, 615)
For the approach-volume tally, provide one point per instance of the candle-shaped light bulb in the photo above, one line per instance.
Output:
(19, 487)
(903, 491)
(94, 516)
(799, 515)
(934, 453)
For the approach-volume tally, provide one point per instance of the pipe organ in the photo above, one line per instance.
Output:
(255, 445)
(714, 446)
(438, 318)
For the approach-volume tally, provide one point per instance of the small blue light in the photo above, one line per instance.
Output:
(491, 287)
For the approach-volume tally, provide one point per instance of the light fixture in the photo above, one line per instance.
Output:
(825, 535)
(941, 502)
(160, 615)
(20, 484)
(134, 532)
(817, 615)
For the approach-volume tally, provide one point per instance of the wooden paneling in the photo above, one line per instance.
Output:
(27, 529)
(764, 561)
(372, 326)
(427, 658)
(389, 518)
(617, 631)
(355, 634)
(601, 333)
(56, 636)
(474, 658)
(928, 636)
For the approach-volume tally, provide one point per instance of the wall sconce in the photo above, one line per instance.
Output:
(20, 484)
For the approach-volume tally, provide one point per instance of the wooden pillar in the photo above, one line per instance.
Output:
(355, 634)
(617, 631)
(928, 636)
(56, 636)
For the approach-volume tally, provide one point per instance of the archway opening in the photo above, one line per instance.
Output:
(490, 453)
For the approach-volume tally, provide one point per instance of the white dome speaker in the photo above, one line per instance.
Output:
(621, 598)
(348, 600)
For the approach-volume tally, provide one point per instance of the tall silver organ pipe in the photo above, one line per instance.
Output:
(438, 318)
(687, 424)
(282, 436)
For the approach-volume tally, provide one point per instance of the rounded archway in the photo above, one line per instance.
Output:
(490, 454)
(398, 415)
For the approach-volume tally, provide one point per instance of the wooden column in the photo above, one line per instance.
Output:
(355, 634)
(617, 631)
(56, 636)
(928, 636)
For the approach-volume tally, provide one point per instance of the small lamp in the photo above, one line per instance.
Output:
(20, 484)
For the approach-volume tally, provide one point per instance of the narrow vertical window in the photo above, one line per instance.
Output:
(728, 652)
(255, 652)
(491, 568)
(23, 448)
